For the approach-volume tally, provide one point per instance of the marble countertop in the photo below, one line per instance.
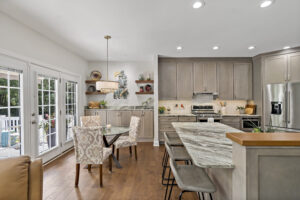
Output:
(240, 115)
(123, 108)
(206, 143)
(175, 115)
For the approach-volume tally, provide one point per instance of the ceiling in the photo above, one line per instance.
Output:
(143, 28)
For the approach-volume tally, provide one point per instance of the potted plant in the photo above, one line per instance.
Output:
(161, 109)
(103, 104)
(241, 109)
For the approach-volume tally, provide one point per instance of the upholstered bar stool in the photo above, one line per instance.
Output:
(172, 140)
(190, 178)
(177, 153)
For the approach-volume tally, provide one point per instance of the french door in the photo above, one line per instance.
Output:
(54, 111)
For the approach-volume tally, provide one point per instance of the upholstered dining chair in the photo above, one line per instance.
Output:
(131, 139)
(88, 121)
(89, 149)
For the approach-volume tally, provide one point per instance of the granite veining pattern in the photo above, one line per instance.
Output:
(207, 143)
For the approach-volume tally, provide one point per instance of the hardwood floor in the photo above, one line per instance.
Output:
(136, 180)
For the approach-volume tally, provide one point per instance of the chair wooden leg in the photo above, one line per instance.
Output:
(100, 175)
(135, 152)
(77, 174)
(110, 163)
(89, 168)
(130, 151)
(118, 154)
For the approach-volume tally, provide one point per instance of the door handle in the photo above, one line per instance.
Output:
(33, 122)
(289, 107)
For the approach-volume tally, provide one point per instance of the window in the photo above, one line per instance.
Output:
(10, 112)
(47, 108)
(71, 107)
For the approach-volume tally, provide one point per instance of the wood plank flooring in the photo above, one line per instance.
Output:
(136, 180)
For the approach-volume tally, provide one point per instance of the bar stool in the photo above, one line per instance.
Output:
(190, 178)
(177, 153)
(172, 140)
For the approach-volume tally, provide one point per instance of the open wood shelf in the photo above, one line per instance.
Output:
(91, 81)
(144, 93)
(94, 93)
(145, 81)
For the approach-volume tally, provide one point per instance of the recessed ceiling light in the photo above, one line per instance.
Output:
(179, 48)
(198, 4)
(286, 47)
(266, 3)
(251, 47)
(215, 48)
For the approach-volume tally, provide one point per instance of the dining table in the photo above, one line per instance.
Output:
(110, 136)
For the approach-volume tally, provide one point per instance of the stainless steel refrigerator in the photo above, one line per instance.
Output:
(282, 105)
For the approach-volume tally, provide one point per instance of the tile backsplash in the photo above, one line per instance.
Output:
(187, 105)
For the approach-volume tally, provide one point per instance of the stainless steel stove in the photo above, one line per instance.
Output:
(203, 112)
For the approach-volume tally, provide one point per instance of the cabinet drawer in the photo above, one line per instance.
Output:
(187, 119)
(168, 119)
(231, 119)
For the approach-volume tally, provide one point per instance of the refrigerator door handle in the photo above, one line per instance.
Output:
(289, 107)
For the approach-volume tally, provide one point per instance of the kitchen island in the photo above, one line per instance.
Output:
(209, 148)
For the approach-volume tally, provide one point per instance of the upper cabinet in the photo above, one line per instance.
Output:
(167, 80)
(242, 73)
(225, 80)
(185, 80)
(179, 79)
(276, 69)
(294, 67)
(205, 77)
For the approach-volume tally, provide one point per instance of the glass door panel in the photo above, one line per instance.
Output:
(47, 113)
(11, 109)
(70, 108)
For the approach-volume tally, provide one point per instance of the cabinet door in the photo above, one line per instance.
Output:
(242, 81)
(210, 77)
(114, 117)
(125, 117)
(102, 114)
(198, 77)
(148, 124)
(225, 77)
(294, 67)
(185, 81)
(275, 69)
(167, 88)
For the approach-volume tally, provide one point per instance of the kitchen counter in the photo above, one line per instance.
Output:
(240, 115)
(265, 139)
(206, 143)
(123, 108)
(176, 115)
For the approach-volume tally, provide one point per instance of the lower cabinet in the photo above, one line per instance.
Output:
(232, 121)
(165, 124)
(122, 118)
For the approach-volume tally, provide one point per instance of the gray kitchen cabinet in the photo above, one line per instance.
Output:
(242, 81)
(184, 80)
(101, 113)
(294, 67)
(125, 117)
(167, 80)
(205, 77)
(275, 69)
(114, 118)
(233, 121)
(225, 80)
(147, 123)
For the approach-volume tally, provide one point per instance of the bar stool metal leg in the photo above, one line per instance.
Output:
(167, 185)
(180, 196)
(171, 188)
(211, 198)
(203, 195)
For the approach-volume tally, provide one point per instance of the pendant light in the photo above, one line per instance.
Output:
(107, 86)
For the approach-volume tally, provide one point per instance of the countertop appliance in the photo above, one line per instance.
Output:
(282, 105)
(249, 122)
(203, 112)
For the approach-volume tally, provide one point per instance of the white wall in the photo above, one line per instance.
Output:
(20, 41)
(132, 69)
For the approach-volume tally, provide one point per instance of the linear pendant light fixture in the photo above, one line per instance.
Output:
(107, 86)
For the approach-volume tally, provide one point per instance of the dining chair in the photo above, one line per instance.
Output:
(131, 139)
(89, 149)
(88, 121)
